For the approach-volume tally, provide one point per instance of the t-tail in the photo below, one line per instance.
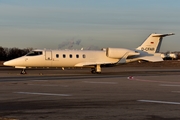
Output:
(153, 43)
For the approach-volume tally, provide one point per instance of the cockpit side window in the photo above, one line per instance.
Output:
(34, 53)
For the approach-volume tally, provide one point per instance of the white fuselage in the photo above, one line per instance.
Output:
(62, 58)
(147, 51)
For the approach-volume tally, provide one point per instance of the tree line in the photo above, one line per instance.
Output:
(11, 53)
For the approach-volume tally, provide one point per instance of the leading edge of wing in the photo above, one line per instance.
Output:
(91, 64)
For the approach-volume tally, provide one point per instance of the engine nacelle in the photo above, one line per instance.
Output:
(118, 53)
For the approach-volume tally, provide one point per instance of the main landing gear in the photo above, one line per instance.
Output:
(96, 69)
(23, 71)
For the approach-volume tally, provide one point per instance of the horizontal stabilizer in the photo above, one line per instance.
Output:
(163, 35)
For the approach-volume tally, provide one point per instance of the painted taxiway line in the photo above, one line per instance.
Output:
(40, 80)
(152, 81)
(48, 94)
(176, 91)
(48, 85)
(100, 82)
(161, 102)
(169, 85)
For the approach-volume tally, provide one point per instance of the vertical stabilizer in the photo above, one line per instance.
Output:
(153, 43)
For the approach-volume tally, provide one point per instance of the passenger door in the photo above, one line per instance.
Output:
(48, 55)
(48, 58)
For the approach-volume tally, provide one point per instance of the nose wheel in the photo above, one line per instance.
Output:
(23, 71)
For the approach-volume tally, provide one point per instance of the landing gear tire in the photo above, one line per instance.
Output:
(23, 72)
(93, 71)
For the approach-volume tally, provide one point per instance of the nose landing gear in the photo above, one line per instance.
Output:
(23, 71)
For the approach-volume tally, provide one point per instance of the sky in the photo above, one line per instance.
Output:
(99, 24)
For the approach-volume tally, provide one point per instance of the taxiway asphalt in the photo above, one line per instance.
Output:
(75, 94)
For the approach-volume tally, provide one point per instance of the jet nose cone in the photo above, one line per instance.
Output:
(9, 63)
(14, 62)
(6, 63)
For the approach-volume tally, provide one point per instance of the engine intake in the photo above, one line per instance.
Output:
(118, 53)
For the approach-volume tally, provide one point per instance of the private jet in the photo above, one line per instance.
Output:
(94, 59)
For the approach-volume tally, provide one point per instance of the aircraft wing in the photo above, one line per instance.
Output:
(90, 64)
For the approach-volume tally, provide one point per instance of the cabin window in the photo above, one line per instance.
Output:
(57, 55)
(64, 56)
(34, 53)
(77, 56)
(70, 55)
(84, 56)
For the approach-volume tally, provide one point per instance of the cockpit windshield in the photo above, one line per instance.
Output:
(34, 53)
